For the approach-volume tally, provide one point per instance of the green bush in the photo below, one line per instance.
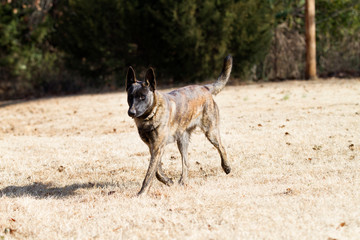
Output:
(24, 59)
(252, 34)
(92, 35)
(184, 40)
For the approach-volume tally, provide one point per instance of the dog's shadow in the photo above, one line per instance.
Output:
(41, 190)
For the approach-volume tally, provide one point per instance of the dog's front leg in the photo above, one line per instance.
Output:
(161, 176)
(156, 153)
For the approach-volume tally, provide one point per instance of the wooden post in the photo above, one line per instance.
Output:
(310, 31)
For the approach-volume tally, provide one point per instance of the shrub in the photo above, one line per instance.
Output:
(185, 40)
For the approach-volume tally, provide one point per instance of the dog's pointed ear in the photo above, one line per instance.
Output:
(130, 78)
(150, 79)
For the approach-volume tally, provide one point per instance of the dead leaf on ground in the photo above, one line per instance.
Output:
(342, 224)
(352, 147)
(117, 229)
(288, 191)
(61, 168)
(9, 231)
(111, 193)
(317, 147)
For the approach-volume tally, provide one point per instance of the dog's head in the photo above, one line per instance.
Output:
(140, 93)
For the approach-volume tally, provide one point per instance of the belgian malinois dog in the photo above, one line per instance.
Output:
(163, 118)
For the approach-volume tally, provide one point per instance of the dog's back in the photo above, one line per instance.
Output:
(186, 106)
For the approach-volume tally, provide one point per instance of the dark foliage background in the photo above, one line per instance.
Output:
(67, 46)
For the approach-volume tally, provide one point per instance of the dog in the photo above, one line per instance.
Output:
(163, 118)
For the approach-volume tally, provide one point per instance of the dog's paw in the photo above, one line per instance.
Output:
(182, 182)
(227, 169)
(169, 182)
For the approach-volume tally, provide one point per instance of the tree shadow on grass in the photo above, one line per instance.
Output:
(41, 190)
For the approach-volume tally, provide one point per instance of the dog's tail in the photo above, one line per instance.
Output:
(220, 83)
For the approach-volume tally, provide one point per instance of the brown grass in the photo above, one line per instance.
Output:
(70, 169)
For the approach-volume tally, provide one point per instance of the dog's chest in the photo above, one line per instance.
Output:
(147, 132)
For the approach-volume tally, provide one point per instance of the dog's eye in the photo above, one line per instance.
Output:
(142, 97)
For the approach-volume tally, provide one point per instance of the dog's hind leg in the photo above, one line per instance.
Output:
(212, 132)
(161, 176)
(214, 137)
(156, 154)
(183, 144)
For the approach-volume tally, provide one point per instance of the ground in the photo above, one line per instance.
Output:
(70, 168)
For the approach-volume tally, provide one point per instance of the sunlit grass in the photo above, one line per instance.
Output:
(70, 168)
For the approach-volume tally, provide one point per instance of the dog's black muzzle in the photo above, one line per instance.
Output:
(131, 112)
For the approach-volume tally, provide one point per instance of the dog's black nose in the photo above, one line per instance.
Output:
(131, 113)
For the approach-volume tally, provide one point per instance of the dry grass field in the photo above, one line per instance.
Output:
(70, 168)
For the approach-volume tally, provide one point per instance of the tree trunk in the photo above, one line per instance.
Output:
(310, 31)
